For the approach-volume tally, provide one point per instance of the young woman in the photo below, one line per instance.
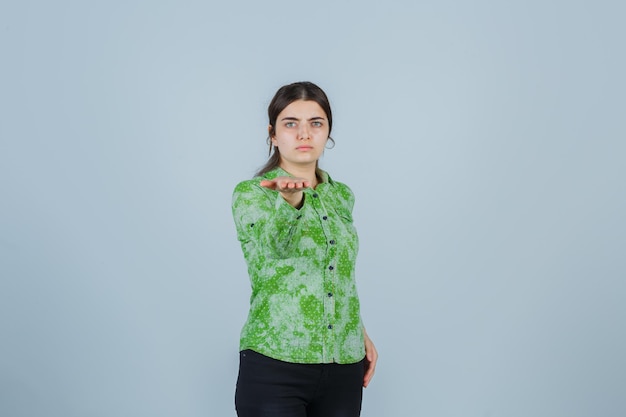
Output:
(304, 350)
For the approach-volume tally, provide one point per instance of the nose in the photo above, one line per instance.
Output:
(304, 132)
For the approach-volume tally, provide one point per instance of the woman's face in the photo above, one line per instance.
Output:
(301, 133)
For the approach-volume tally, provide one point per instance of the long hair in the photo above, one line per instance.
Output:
(287, 94)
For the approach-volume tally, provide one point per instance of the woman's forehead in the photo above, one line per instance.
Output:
(303, 109)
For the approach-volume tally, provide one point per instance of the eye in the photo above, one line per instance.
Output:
(317, 123)
(290, 124)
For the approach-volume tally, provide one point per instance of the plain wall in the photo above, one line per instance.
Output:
(485, 142)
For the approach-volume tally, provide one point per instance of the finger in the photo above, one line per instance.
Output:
(371, 356)
(288, 188)
(293, 186)
(368, 375)
(282, 184)
(268, 184)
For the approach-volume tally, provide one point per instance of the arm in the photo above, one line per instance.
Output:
(265, 219)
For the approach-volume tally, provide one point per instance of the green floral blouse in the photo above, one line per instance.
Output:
(304, 306)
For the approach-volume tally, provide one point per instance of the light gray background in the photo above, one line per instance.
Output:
(485, 142)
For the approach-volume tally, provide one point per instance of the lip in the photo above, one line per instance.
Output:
(304, 148)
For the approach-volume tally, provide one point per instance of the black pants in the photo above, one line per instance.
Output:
(268, 387)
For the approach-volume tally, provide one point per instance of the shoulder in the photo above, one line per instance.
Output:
(342, 193)
(253, 184)
(249, 193)
(341, 189)
(248, 185)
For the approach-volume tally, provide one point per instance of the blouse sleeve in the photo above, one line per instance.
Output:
(264, 220)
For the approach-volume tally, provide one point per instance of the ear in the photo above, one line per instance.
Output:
(270, 130)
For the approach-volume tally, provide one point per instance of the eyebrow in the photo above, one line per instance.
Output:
(296, 119)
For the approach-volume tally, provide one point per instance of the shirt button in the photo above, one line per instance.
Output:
(330, 294)
(330, 268)
(314, 195)
(330, 327)
(325, 218)
(332, 241)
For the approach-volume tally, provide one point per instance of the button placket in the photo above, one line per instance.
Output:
(328, 286)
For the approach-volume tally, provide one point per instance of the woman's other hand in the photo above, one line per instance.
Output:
(371, 357)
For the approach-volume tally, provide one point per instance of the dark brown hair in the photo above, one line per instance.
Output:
(287, 94)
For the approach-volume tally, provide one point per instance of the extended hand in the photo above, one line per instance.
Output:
(289, 187)
(286, 184)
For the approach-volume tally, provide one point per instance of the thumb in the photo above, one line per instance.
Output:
(268, 184)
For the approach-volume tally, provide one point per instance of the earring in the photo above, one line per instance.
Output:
(331, 141)
(271, 146)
